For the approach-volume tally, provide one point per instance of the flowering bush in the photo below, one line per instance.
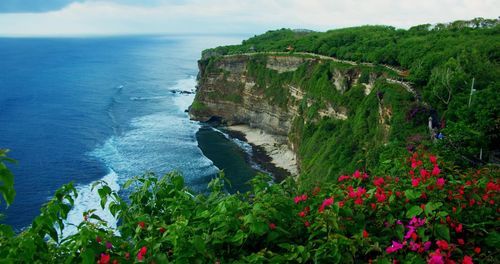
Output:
(427, 214)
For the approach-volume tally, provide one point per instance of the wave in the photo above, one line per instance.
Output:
(150, 98)
(160, 142)
(183, 101)
(89, 199)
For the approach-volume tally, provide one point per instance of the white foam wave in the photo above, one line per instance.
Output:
(89, 199)
(139, 98)
(183, 101)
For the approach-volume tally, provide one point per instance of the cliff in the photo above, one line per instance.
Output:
(313, 102)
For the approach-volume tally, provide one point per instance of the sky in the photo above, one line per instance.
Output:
(125, 17)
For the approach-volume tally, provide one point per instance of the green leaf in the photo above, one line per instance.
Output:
(88, 256)
(178, 182)
(431, 206)
(412, 195)
(443, 232)
(414, 211)
(239, 237)
(199, 243)
(493, 240)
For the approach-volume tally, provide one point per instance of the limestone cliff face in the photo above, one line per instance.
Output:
(226, 92)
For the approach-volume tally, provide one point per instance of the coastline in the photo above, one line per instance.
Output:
(269, 151)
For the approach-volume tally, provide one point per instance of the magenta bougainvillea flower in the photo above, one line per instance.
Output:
(394, 247)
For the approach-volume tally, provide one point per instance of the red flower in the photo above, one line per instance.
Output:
(141, 253)
(272, 226)
(127, 256)
(109, 245)
(433, 159)
(378, 181)
(357, 174)
(459, 228)
(415, 182)
(307, 224)
(162, 230)
(436, 171)
(358, 201)
(374, 206)
(341, 204)
(365, 234)
(442, 244)
(115, 261)
(344, 177)
(302, 214)
(460, 242)
(440, 182)
(98, 239)
(326, 202)
(141, 224)
(477, 250)
(424, 173)
(104, 259)
(467, 260)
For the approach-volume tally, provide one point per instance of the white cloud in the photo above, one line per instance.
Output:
(230, 16)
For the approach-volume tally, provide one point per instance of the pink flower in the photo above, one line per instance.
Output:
(414, 246)
(433, 159)
(440, 182)
(357, 174)
(436, 171)
(326, 202)
(394, 247)
(410, 232)
(343, 178)
(378, 181)
(300, 198)
(436, 259)
(417, 222)
(109, 245)
(424, 173)
(415, 182)
(427, 245)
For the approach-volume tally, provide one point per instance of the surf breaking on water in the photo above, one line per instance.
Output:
(154, 143)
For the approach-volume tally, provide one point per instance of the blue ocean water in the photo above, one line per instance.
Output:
(84, 109)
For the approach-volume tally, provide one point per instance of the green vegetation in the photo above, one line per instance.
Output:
(395, 208)
(428, 213)
(442, 61)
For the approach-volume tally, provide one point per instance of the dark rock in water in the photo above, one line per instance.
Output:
(181, 92)
(186, 111)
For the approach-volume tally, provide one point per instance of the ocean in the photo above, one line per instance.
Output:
(110, 108)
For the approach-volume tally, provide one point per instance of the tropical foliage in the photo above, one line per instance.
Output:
(426, 213)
